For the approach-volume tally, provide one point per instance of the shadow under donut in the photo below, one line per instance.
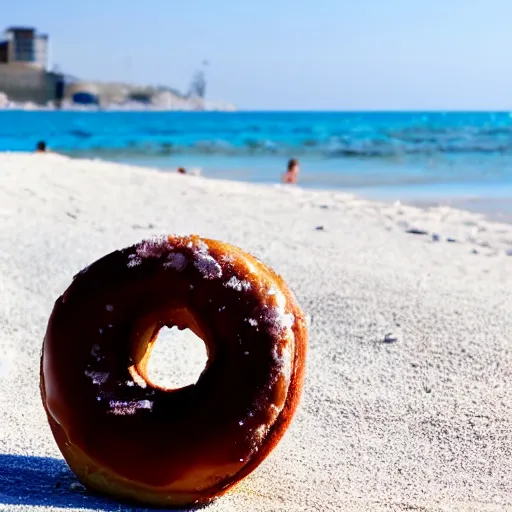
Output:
(44, 481)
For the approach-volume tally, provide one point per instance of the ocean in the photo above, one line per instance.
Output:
(459, 158)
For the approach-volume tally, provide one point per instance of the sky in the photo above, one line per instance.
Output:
(290, 54)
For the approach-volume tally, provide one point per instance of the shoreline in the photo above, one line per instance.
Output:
(406, 403)
(479, 205)
(494, 200)
(388, 194)
(424, 214)
(497, 209)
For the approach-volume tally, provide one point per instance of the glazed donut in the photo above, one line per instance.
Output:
(126, 437)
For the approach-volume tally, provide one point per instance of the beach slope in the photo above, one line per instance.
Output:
(407, 404)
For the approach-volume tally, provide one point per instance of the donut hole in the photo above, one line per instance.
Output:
(177, 359)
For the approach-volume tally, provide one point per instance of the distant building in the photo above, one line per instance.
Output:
(25, 78)
(24, 75)
(24, 45)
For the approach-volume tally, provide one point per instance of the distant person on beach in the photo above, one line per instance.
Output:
(291, 176)
(41, 147)
(181, 170)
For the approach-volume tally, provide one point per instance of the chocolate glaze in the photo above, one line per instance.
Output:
(124, 435)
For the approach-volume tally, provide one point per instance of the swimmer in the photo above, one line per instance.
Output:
(291, 175)
(181, 170)
(41, 147)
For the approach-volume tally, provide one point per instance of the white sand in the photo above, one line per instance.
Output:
(424, 423)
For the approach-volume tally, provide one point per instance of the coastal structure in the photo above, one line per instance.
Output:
(24, 74)
(198, 84)
(25, 79)
(24, 45)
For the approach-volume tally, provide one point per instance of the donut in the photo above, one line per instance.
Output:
(128, 438)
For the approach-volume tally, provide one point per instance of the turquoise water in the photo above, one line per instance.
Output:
(390, 155)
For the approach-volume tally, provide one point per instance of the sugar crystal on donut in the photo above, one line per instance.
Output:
(119, 408)
(206, 263)
(129, 438)
(133, 261)
(285, 319)
(97, 377)
(237, 284)
(155, 247)
(176, 261)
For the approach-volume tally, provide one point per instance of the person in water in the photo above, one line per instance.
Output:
(181, 170)
(291, 175)
(41, 147)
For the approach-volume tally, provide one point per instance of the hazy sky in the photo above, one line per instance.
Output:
(291, 54)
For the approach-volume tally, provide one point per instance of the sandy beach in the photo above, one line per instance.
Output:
(407, 403)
